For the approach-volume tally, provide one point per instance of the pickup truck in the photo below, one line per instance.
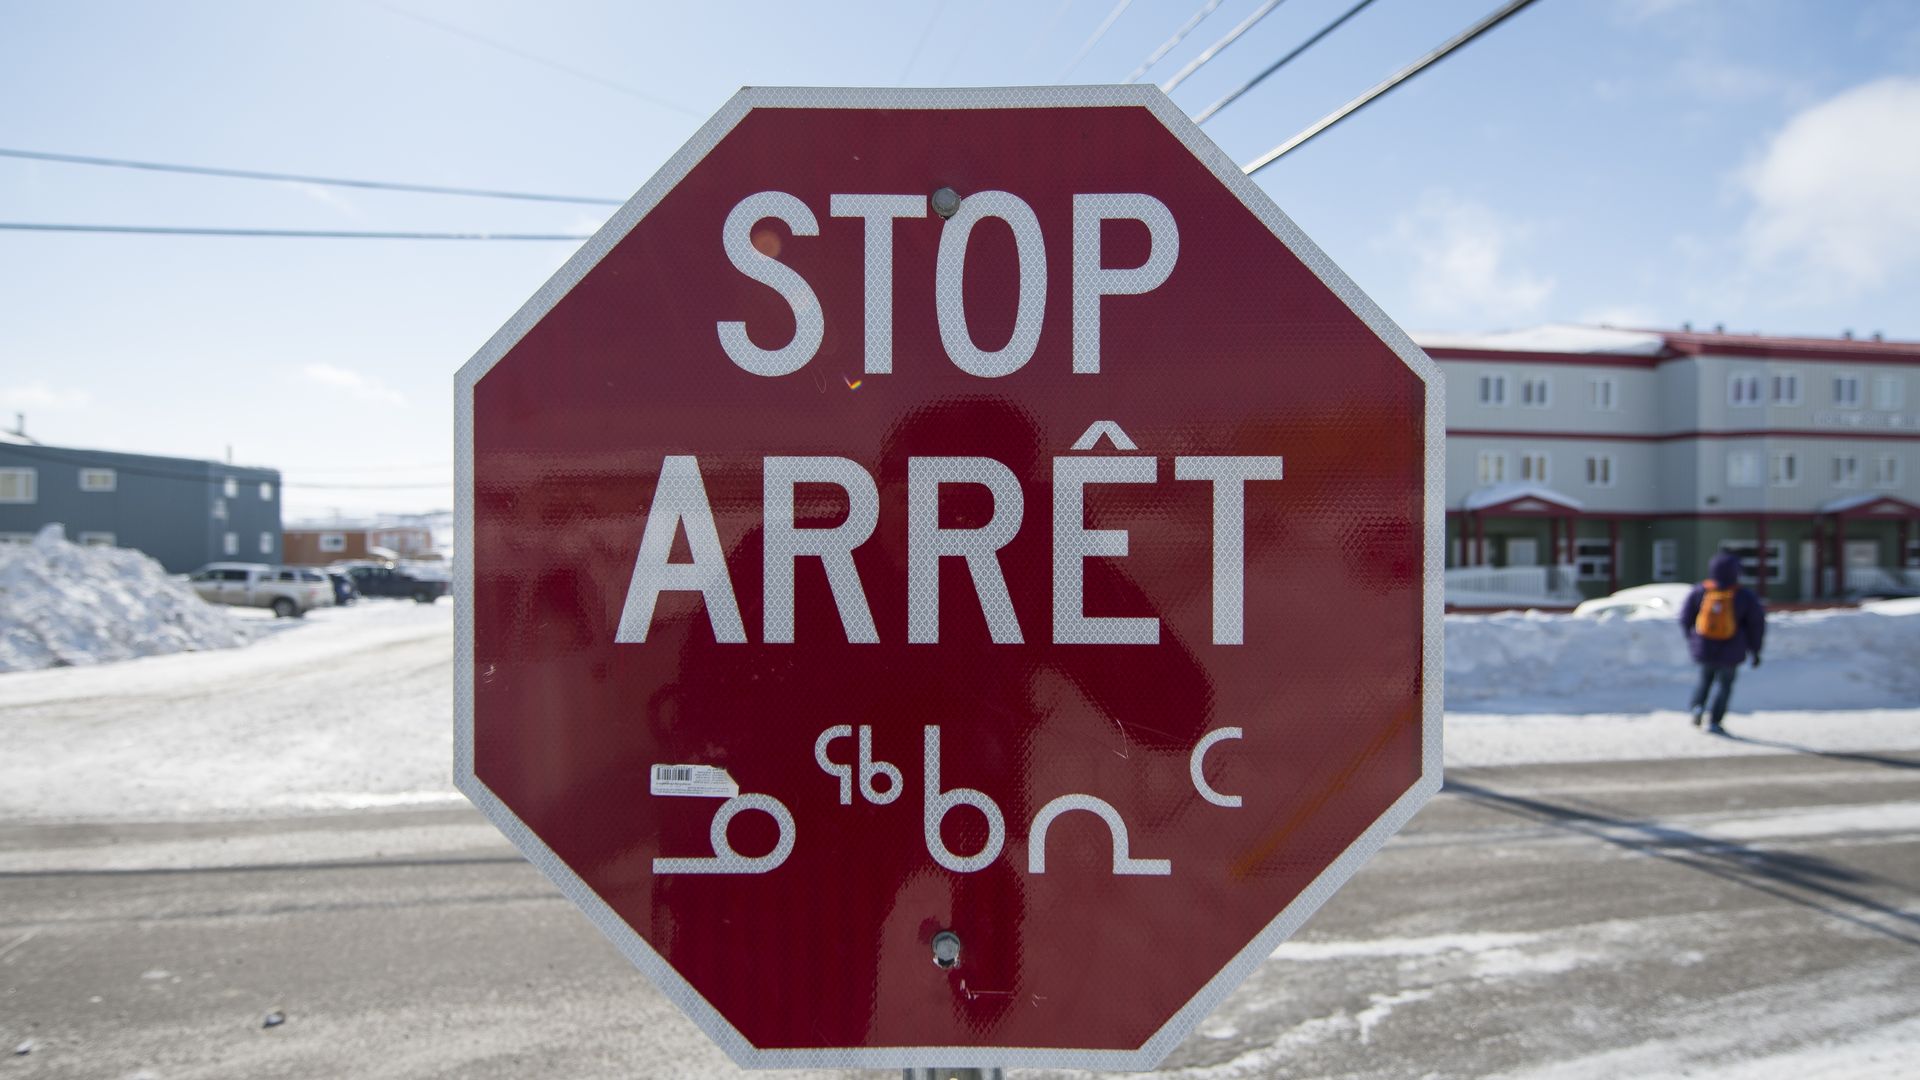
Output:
(392, 581)
(290, 591)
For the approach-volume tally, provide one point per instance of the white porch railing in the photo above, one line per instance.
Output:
(1518, 586)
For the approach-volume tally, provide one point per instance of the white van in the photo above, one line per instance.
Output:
(291, 591)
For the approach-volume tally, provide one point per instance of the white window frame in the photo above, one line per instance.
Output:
(1787, 477)
(1789, 380)
(96, 539)
(266, 543)
(1846, 470)
(1536, 391)
(266, 491)
(1886, 471)
(1603, 393)
(1666, 559)
(1600, 470)
(333, 542)
(1493, 390)
(1536, 467)
(230, 544)
(24, 487)
(1492, 467)
(220, 511)
(1851, 380)
(230, 487)
(1749, 551)
(1889, 391)
(1592, 558)
(99, 480)
(1743, 389)
(1743, 468)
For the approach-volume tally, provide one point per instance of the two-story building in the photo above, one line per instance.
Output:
(185, 512)
(1619, 457)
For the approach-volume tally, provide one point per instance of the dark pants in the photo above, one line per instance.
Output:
(1719, 681)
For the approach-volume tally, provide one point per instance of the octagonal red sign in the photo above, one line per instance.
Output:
(948, 577)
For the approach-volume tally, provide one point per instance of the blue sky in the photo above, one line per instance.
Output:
(1636, 162)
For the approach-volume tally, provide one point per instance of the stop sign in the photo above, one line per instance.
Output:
(949, 577)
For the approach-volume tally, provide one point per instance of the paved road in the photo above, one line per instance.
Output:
(1750, 916)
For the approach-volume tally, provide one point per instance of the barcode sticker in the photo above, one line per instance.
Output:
(695, 781)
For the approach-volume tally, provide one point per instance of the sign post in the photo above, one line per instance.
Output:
(949, 576)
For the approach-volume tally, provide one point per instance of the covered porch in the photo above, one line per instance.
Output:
(1866, 544)
(1520, 544)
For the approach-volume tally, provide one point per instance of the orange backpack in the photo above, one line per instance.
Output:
(1715, 620)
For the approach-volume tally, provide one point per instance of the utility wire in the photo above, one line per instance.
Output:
(925, 33)
(1384, 87)
(301, 234)
(1201, 116)
(1098, 33)
(298, 178)
(534, 58)
(1214, 49)
(1179, 35)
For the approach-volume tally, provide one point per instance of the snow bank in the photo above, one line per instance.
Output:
(62, 604)
(1537, 662)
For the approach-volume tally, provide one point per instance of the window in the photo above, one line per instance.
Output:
(1533, 467)
(230, 544)
(230, 574)
(1536, 391)
(220, 512)
(266, 543)
(333, 542)
(15, 538)
(231, 488)
(1846, 470)
(266, 491)
(1749, 553)
(1493, 467)
(1493, 389)
(1600, 470)
(18, 485)
(1889, 392)
(287, 575)
(1846, 391)
(1666, 560)
(1786, 388)
(1601, 392)
(97, 480)
(1886, 471)
(1593, 559)
(97, 539)
(1743, 389)
(1743, 469)
(1786, 469)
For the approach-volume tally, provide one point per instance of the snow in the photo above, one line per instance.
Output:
(64, 604)
(1551, 337)
(1497, 494)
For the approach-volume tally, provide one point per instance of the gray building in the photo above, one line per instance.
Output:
(184, 512)
(1618, 457)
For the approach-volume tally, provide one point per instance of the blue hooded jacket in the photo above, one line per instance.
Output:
(1749, 617)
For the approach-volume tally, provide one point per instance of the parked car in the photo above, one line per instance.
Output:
(392, 581)
(1660, 598)
(289, 591)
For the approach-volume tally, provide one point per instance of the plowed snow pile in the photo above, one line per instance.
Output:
(62, 604)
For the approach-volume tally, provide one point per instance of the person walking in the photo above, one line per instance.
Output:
(1724, 623)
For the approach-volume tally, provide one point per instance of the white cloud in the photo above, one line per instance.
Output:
(1834, 192)
(39, 395)
(364, 387)
(1461, 255)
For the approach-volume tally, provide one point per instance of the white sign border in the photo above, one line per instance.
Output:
(1149, 1055)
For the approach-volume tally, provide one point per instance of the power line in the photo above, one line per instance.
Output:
(298, 178)
(298, 234)
(1384, 87)
(1168, 45)
(925, 33)
(534, 58)
(1214, 49)
(1201, 116)
(1098, 33)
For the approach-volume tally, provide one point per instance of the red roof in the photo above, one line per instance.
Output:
(1693, 343)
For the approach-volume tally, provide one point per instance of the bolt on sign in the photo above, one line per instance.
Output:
(949, 577)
